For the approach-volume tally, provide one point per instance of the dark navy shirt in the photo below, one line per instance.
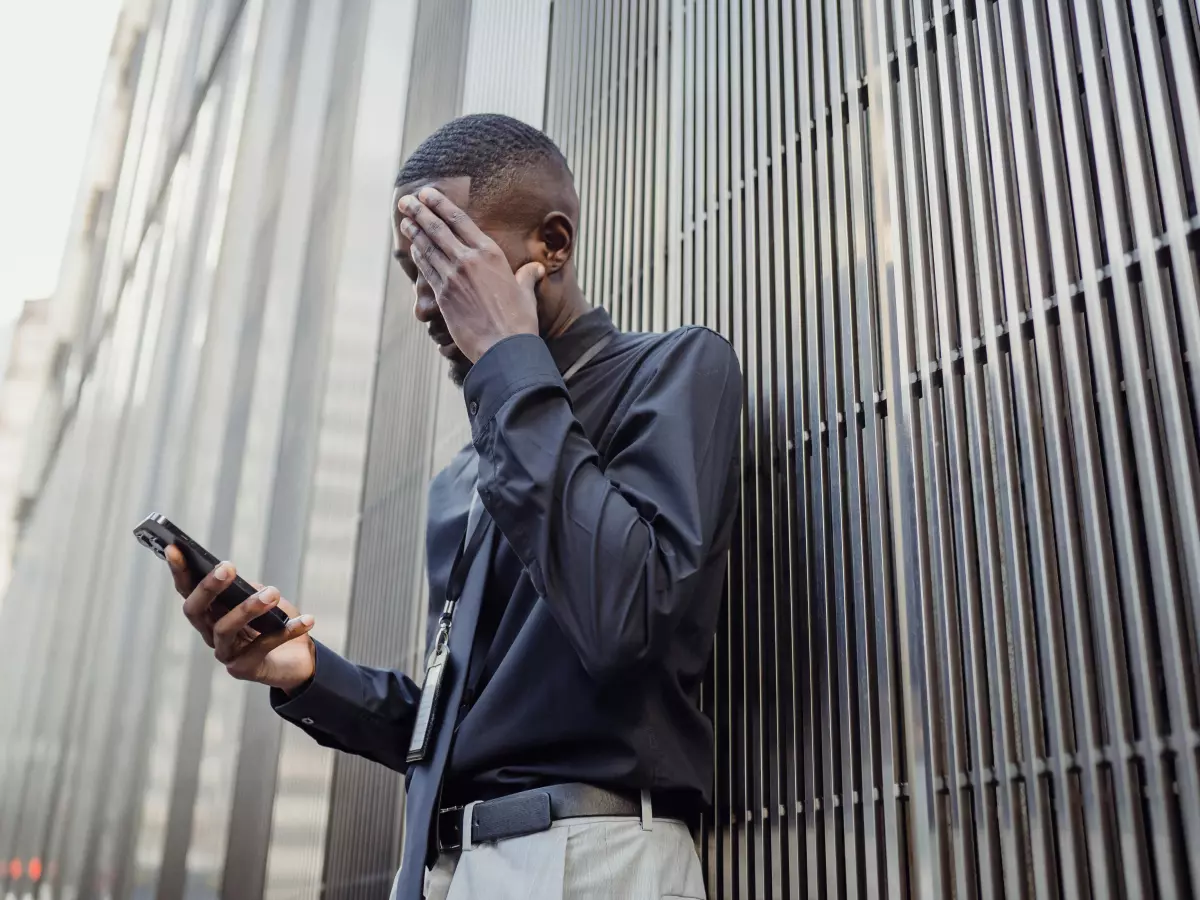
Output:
(614, 500)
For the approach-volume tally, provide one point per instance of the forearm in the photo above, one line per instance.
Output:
(610, 576)
(614, 549)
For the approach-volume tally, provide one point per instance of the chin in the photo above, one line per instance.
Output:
(459, 367)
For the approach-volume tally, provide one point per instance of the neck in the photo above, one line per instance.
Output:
(572, 307)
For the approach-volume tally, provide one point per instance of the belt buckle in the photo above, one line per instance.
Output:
(449, 828)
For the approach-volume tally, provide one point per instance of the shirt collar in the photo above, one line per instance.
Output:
(585, 331)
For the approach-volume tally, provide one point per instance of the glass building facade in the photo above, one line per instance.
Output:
(955, 247)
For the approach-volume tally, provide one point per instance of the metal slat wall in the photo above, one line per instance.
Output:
(388, 603)
(302, 798)
(954, 245)
(505, 62)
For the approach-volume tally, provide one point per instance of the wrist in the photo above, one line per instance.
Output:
(488, 343)
(293, 682)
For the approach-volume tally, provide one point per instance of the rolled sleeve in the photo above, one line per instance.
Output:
(515, 364)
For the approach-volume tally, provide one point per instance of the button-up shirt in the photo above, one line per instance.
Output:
(614, 498)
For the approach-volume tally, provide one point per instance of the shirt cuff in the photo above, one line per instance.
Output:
(510, 366)
(332, 699)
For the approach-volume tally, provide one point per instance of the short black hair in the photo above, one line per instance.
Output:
(489, 148)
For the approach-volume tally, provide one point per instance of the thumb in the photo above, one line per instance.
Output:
(256, 658)
(530, 274)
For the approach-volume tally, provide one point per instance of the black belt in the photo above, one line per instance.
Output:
(529, 812)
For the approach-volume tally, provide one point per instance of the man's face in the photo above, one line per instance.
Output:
(425, 308)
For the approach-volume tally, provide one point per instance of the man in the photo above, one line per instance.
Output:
(575, 552)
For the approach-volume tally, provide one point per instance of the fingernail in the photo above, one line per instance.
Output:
(408, 202)
(221, 572)
(424, 194)
(270, 597)
(306, 620)
(406, 226)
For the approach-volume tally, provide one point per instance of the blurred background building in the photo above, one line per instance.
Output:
(26, 354)
(955, 247)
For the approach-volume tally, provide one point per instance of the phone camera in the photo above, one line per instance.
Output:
(151, 542)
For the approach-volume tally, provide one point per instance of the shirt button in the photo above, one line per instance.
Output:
(306, 721)
(473, 409)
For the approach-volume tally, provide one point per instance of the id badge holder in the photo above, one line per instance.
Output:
(439, 659)
(431, 691)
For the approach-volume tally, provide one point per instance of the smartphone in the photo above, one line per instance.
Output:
(157, 533)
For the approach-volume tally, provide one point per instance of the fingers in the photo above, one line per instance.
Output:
(436, 225)
(530, 274)
(195, 607)
(249, 663)
(459, 222)
(227, 633)
(179, 571)
(432, 225)
(426, 256)
(296, 626)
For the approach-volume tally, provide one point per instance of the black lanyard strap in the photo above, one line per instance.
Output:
(467, 548)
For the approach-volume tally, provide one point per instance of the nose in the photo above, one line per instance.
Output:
(424, 304)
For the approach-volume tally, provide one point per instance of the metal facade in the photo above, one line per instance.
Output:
(955, 246)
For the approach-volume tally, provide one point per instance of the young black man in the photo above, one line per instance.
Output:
(576, 555)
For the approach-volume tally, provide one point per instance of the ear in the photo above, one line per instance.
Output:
(556, 235)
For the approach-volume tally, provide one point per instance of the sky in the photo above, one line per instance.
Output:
(52, 57)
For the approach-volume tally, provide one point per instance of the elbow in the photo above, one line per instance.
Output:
(617, 657)
(620, 622)
(630, 628)
(608, 667)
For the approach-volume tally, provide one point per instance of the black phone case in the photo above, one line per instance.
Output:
(156, 533)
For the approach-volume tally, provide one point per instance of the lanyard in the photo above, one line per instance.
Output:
(468, 547)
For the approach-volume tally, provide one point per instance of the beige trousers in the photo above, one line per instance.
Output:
(577, 859)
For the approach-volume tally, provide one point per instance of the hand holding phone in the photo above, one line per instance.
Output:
(255, 633)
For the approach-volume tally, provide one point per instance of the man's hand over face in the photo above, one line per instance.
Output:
(480, 297)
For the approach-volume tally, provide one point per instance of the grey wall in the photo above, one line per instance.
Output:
(955, 248)
(954, 245)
